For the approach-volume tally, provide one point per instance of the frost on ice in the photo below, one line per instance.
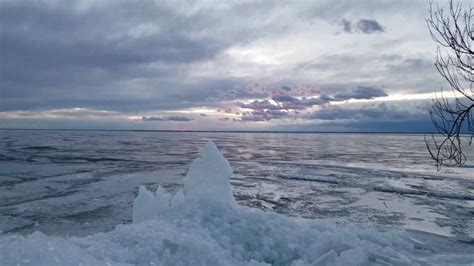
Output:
(203, 225)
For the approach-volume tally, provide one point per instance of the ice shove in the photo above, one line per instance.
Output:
(205, 184)
(203, 225)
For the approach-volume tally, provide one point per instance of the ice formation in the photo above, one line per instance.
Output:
(203, 225)
(149, 205)
(207, 181)
(205, 184)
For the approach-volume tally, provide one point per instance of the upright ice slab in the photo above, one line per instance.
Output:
(206, 183)
(148, 205)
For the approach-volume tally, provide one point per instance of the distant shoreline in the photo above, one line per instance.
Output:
(224, 131)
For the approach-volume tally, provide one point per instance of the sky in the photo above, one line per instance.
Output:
(363, 65)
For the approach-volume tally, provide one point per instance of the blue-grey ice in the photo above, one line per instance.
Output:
(202, 224)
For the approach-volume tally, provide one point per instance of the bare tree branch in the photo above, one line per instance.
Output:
(452, 114)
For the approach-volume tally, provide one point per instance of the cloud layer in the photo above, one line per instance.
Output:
(283, 104)
(263, 63)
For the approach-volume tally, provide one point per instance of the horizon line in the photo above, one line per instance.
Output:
(227, 131)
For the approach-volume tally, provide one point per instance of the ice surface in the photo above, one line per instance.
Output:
(84, 182)
(195, 228)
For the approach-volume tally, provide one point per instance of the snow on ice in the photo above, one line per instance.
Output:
(203, 225)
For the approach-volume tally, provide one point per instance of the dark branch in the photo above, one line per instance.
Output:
(452, 114)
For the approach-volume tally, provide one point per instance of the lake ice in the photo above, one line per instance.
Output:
(78, 183)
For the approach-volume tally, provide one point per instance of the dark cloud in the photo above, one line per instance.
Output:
(284, 98)
(282, 104)
(304, 103)
(397, 116)
(366, 26)
(346, 26)
(378, 112)
(361, 92)
(411, 65)
(166, 118)
(154, 95)
(240, 92)
(369, 26)
(110, 37)
(263, 115)
(53, 53)
(260, 91)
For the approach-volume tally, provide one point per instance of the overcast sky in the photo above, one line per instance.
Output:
(217, 65)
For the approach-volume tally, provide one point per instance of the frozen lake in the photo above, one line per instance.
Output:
(83, 182)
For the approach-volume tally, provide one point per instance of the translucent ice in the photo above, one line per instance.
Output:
(148, 205)
(207, 181)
